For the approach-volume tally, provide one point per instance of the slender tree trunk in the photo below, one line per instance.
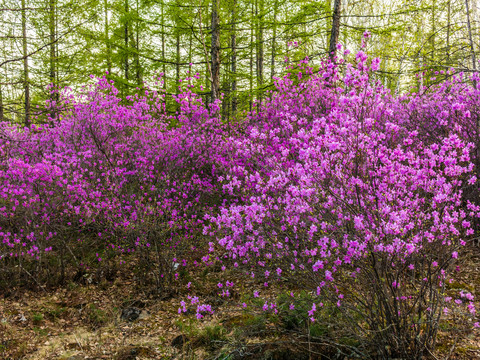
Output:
(53, 55)
(26, 80)
(177, 63)
(208, 68)
(259, 24)
(137, 48)
(190, 57)
(52, 40)
(337, 9)
(107, 37)
(233, 60)
(385, 67)
(1, 105)
(251, 60)
(434, 30)
(469, 26)
(274, 39)
(421, 74)
(126, 39)
(215, 51)
(225, 88)
(164, 78)
(472, 48)
(400, 65)
(190, 53)
(448, 29)
(421, 55)
(287, 51)
(208, 65)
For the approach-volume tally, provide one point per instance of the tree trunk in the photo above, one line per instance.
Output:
(434, 30)
(274, 39)
(448, 30)
(259, 22)
(472, 48)
(208, 67)
(137, 48)
(126, 40)
(26, 80)
(177, 65)
(107, 38)
(164, 78)
(215, 51)
(190, 54)
(337, 9)
(234, 59)
(53, 56)
(1, 105)
(251, 61)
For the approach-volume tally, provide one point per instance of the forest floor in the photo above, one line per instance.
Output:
(99, 321)
(91, 321)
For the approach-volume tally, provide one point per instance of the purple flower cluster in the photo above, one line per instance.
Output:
(332, 181)
(327, 174)
(112, 171)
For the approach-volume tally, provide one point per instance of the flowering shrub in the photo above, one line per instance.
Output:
(331, 185)
(116, 176)
(340, 197)
(451, 107)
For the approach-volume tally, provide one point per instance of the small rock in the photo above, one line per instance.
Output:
(130, 314)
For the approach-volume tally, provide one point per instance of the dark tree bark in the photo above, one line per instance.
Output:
(137, 48)
(126, 39)
(215, 50)
(434, 30)
(53, 54)
(337, 9)
(234, 59)
(190, 53)
(448, 30)
(164, 78)
(177, 63)
(2, 114)
(250, 101)
(274, 39)
(259, 7)
(26, 80)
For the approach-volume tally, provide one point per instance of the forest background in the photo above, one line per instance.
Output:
(237, 47)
